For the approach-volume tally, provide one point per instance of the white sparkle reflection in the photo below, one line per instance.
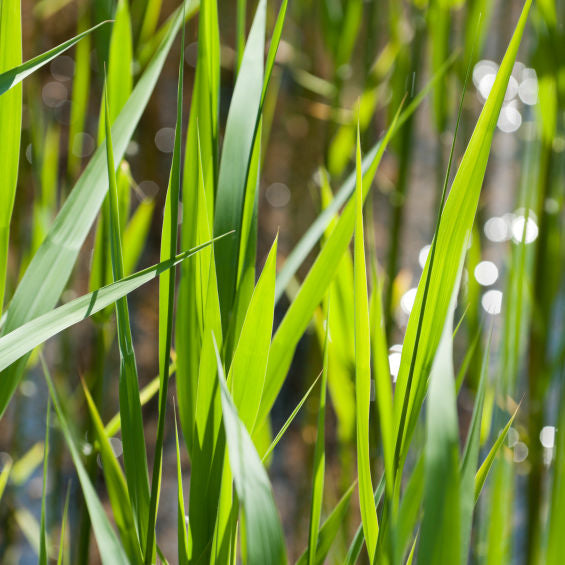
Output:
(492, 301)
(486, 273)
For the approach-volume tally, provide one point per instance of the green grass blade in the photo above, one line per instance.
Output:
(440, 539)
(135, 457)
(13, 76)
(201, 141)
(122, 508)
(11, 120)
(50, 268)
(110, 549)
(246, 376)
(422, 336)
(42, 526)
(312, 291)
(236, 153)
(319, 467)
(363, 371)
(169, 241)
(329, 530)
(483, 471)
(22, 340)
(289, 420)
(358, 541)
(263, 532)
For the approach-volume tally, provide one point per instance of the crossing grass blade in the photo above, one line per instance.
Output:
(135, 457)
(4, 476)
(264, 542)
(11, 120)
(483, 471)
(452, 232)
(289, 420)
(363, 371)
(11, 77)
(169, 242)
(50, 268)
(26, 337)
(110, 549)
(329, 530)
(122, 508)
(313, 289)
(317, 228)
(319, 467)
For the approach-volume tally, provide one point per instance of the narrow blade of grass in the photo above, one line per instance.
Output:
(110, 549)
(183, 533)
(122, 507)
(363, 371)
(329, 530)
(62, 552)
(319, 467)
(169, 239)
(289, 420)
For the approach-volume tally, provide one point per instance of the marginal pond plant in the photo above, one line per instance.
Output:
(437, 438)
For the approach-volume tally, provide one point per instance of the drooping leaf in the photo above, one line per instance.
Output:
(263, 532)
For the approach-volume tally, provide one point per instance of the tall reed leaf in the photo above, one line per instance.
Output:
(169, 242)
(319, 467)
(202, 147)
(135, 457)
(236, 153)
(422, 336)
(110, 549)
(42, 558)
(363, 371)
(263, 532)
(11, 120)
(50, 268)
